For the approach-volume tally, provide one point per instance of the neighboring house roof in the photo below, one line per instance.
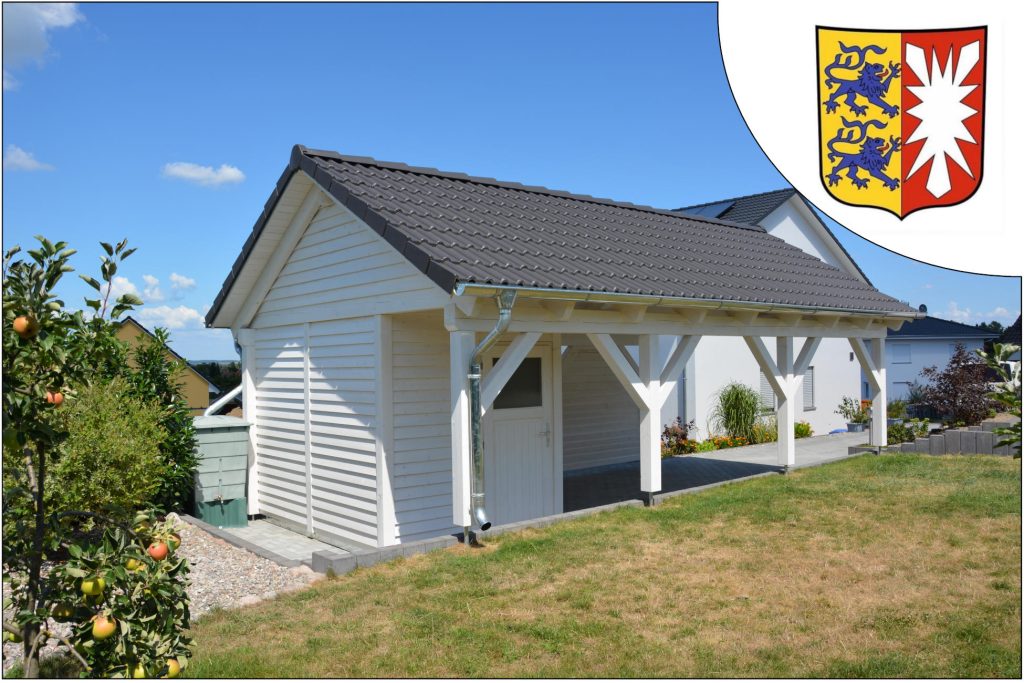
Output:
(750, 209)
(174, 353)
(754, 208)
(460, 229)
(1011, 335)
(937, 327)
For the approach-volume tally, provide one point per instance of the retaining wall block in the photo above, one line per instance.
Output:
(985, 442)
(937, 444)
(340, 563)
(969, 442)
(921, 445)
(953, 441)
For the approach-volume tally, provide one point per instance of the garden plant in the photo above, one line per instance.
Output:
(113, 576)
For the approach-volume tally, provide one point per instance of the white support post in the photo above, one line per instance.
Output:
(461, 353)
(784, 374)
(244, 338)
(786, 412)
(879, 407)
(648, 384)
(873, 363)
(650, 417)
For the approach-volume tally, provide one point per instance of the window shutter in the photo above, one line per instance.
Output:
(809, 388)
(767, 395)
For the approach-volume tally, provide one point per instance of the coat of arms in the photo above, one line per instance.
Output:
(901, 116)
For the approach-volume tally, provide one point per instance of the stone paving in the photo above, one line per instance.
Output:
(614, 483)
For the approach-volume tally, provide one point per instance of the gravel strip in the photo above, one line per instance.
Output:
(222, 576)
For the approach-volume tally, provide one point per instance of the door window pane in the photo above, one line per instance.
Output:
(523, 389)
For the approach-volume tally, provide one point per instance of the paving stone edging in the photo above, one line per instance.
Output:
(226, 535)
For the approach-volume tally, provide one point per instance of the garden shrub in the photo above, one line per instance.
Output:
(897, 408)
(959, 392)
(111, 457)
(802, 430)
(705, 446)
(853, 411)
(156, 378)
(676, 438)
(721, 442)
(736, 411)
(765, 430)
(899, 433)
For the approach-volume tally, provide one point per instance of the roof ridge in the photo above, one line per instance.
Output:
(511, 185)
(736, 199)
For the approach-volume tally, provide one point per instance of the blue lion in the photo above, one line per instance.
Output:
(871, 83)
(873, 156)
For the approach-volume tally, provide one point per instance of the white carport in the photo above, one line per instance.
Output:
(610, 323)
(361, 297)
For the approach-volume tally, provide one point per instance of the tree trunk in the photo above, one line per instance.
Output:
(31, 663)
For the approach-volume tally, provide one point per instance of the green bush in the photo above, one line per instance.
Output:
(111, 457)
(802, 430)
(897, 409)
(765, 430)
(736, 410)
(853, 411)
(155, 380)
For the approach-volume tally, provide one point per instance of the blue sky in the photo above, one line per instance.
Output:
(170, 124)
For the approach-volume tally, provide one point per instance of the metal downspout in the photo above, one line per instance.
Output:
(506, 299)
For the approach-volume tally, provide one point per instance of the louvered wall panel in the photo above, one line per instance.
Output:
(343, 423)
(281, 424)
(601, 423)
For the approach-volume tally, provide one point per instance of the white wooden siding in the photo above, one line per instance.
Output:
(341, 268)
(422, 465)
(320, 475)
(343, 413)
(280, 415)
(601, 423)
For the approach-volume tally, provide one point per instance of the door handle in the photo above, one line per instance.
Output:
(546, 434)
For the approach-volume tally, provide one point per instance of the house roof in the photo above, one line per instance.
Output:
(460, 229)
(750, 209)
(174, 353)
(937, 327)
(754, 208)
(1011, 335)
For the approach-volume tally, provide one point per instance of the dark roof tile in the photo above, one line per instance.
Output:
(938, 327)
(479, 230)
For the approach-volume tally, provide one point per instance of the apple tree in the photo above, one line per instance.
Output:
(113, 576)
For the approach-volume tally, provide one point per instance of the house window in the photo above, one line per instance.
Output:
(900, 353)
(809, 389)
(523, 389)
(767, 393)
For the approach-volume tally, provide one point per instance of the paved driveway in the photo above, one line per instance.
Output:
(613, 483)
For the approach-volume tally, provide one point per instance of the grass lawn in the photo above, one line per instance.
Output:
(879, 566)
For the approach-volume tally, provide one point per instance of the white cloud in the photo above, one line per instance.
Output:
(26, 32)
(171, 317)
(182, 281)
(969, 316)
(17, 159)
(121, 285)
(203, 175)
(151, 293)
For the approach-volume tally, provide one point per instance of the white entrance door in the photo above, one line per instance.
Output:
(519, 461)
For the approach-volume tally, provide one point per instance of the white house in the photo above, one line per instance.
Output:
(924, 343)
(835, 372)
(426, 352)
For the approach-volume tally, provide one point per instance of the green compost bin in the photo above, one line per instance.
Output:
(222, 442)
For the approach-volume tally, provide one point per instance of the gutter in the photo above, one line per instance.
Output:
(487, 290)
